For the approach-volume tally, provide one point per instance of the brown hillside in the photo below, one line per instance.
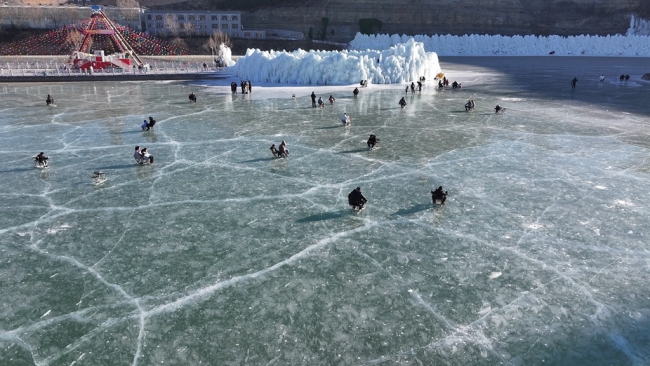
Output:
(339, 20)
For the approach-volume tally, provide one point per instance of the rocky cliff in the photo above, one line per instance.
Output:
(505, 17)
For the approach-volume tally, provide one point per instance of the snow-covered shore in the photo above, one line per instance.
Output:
(487, 45)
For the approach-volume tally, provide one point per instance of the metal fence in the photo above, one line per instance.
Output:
(53, 68)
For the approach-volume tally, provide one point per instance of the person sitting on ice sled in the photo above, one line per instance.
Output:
(402, 102)
(283, 152)
(469, 105)
(192, 97)
(274, 151)
(345, 118)
(356, 199)
(498, 109)
(438, 196)
(372, 141)
(41, 160)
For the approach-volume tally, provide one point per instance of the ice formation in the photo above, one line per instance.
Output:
(638, 27)
(397, 63)
(226, 55)
(476, 45)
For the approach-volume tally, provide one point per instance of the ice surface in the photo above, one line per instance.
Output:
(633, 44)
(218, 254)
(394, 64)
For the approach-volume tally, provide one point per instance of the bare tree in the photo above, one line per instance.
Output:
(129, 10)
(189, 28)
(171, 24)
(20, 16)
(36, 16)
(218, 38)
(178, 42)
(56, 15)
(74, 39)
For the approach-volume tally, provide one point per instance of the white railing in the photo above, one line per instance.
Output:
(40, 69)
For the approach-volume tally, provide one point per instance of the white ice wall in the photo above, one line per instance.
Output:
(638, 27)
(398, 63)
(618, 45)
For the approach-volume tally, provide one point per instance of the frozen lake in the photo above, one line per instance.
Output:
(218, 254)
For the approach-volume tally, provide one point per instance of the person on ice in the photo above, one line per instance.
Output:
(233, 87)
(419, 86)
(49, 100)
(321, 104)
(355, 91)
(345, 118)
(469, 105)
(192, 97)
(41, 159)
(152, 122)
(412, 87)
(146, 157)
(274, 151)
(402, 102)
(145, 126)
(313, 100)
(372, 141)
(282, 150)
(438, 196)
(601, 78)
(498, 109)
(332, 100)
(574, 82)
(356, 199)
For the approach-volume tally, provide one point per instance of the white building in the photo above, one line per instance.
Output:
(168, 23)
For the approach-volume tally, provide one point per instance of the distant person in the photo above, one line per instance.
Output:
(438, 196)
(406, 90)
(574, 82)
(454, 85)
(313, 100)
(355, 91)
(627, 77)
(419, 86)
(498, 109)
(145, 125)
(282, 150)
(469, 105)
(274, 151)
(49, 100)
(372, 141)
(192, 97)
(137, 155)
(412, 87)
(41, 160)
(146, 157)
(321, 104)
(152, 122)
(621, 78)
(250, 87)
(356, 199)
(402, 102)
(332, 100)
(233, 87)
(345, 118)
(440, 86)
(601, 78)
